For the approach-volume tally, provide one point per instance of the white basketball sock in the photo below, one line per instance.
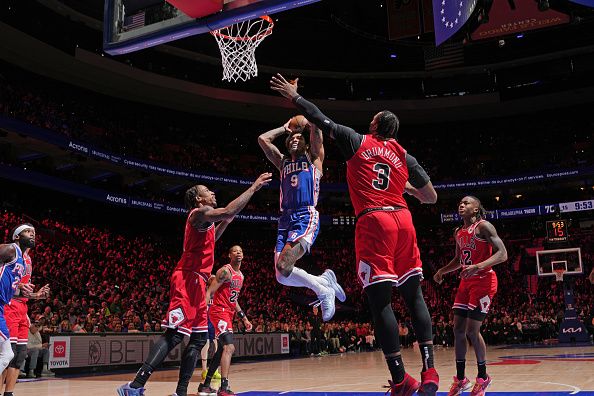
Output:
(300, 278)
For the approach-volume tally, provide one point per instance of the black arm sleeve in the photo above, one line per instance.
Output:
(347, 140)
(416, 174)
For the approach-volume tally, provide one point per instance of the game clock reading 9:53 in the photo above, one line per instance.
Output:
(576, 206)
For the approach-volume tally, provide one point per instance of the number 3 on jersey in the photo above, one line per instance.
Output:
(383, 176)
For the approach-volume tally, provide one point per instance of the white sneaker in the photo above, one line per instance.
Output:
(327, 304)
(330, 277)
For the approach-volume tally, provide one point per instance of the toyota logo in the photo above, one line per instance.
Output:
(59, 349)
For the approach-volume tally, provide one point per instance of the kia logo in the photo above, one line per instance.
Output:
(59, 349)
(572, 330)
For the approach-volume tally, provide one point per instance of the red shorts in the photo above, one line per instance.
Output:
(221, 319)
(17, 321)
(477, 291)
(386, 248)
(187, 304)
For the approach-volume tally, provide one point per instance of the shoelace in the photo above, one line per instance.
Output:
(476, 387)
(457, 386)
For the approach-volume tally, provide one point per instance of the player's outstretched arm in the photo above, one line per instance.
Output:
(272, 152)
(221, 227)
(207, 214)
(316, 146)
(223, 275)
(310, 110)
(347, 139)
(489, 233)
(453, 265)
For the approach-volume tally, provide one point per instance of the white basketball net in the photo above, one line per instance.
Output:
(238, 44)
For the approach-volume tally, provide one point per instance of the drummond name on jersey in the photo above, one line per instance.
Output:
(382, 152)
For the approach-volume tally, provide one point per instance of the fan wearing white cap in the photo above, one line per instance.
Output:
(15, 312)
(12, 270)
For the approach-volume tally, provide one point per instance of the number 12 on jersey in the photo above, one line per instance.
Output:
(382, 182)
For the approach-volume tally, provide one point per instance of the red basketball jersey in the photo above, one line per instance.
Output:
(473, 250)
(198, 254)
(227, 295)
(377, 174)
(27, 278)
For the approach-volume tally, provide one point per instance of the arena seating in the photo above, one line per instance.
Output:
(105, 281)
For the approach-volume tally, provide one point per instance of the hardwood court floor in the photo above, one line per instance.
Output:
(530, 371)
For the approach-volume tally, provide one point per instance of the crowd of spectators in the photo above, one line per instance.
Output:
(105, 281)
(185, 141)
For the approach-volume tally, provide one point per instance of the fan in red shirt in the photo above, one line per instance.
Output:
(478, 249)
(224, 292)
(379, 171)
(186, 315)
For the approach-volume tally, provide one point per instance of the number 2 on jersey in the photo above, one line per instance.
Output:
(383, 176)
(234, 295)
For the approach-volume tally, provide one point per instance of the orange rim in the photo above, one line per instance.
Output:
(265, 33)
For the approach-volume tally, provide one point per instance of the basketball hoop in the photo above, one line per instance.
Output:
(559, 274)
(238, 44)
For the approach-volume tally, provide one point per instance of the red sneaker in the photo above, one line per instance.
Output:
(429, 383)
(225, 392)
(459, 386)
(407, 387)
(480, 386)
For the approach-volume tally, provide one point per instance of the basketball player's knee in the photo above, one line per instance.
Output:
(283, 267)
(229, 349)
(473, 333)
(460, 332)
(20, 355)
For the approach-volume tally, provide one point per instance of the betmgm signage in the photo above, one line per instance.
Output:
(80, 351)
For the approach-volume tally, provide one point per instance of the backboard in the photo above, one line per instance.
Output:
(547, 261)
(132, 25)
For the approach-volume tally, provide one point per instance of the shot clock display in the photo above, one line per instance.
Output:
(557, 231)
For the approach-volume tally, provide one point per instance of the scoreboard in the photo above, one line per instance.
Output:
(577, 206)
(557, 231)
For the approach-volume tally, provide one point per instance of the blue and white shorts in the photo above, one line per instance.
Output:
(299, 225)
